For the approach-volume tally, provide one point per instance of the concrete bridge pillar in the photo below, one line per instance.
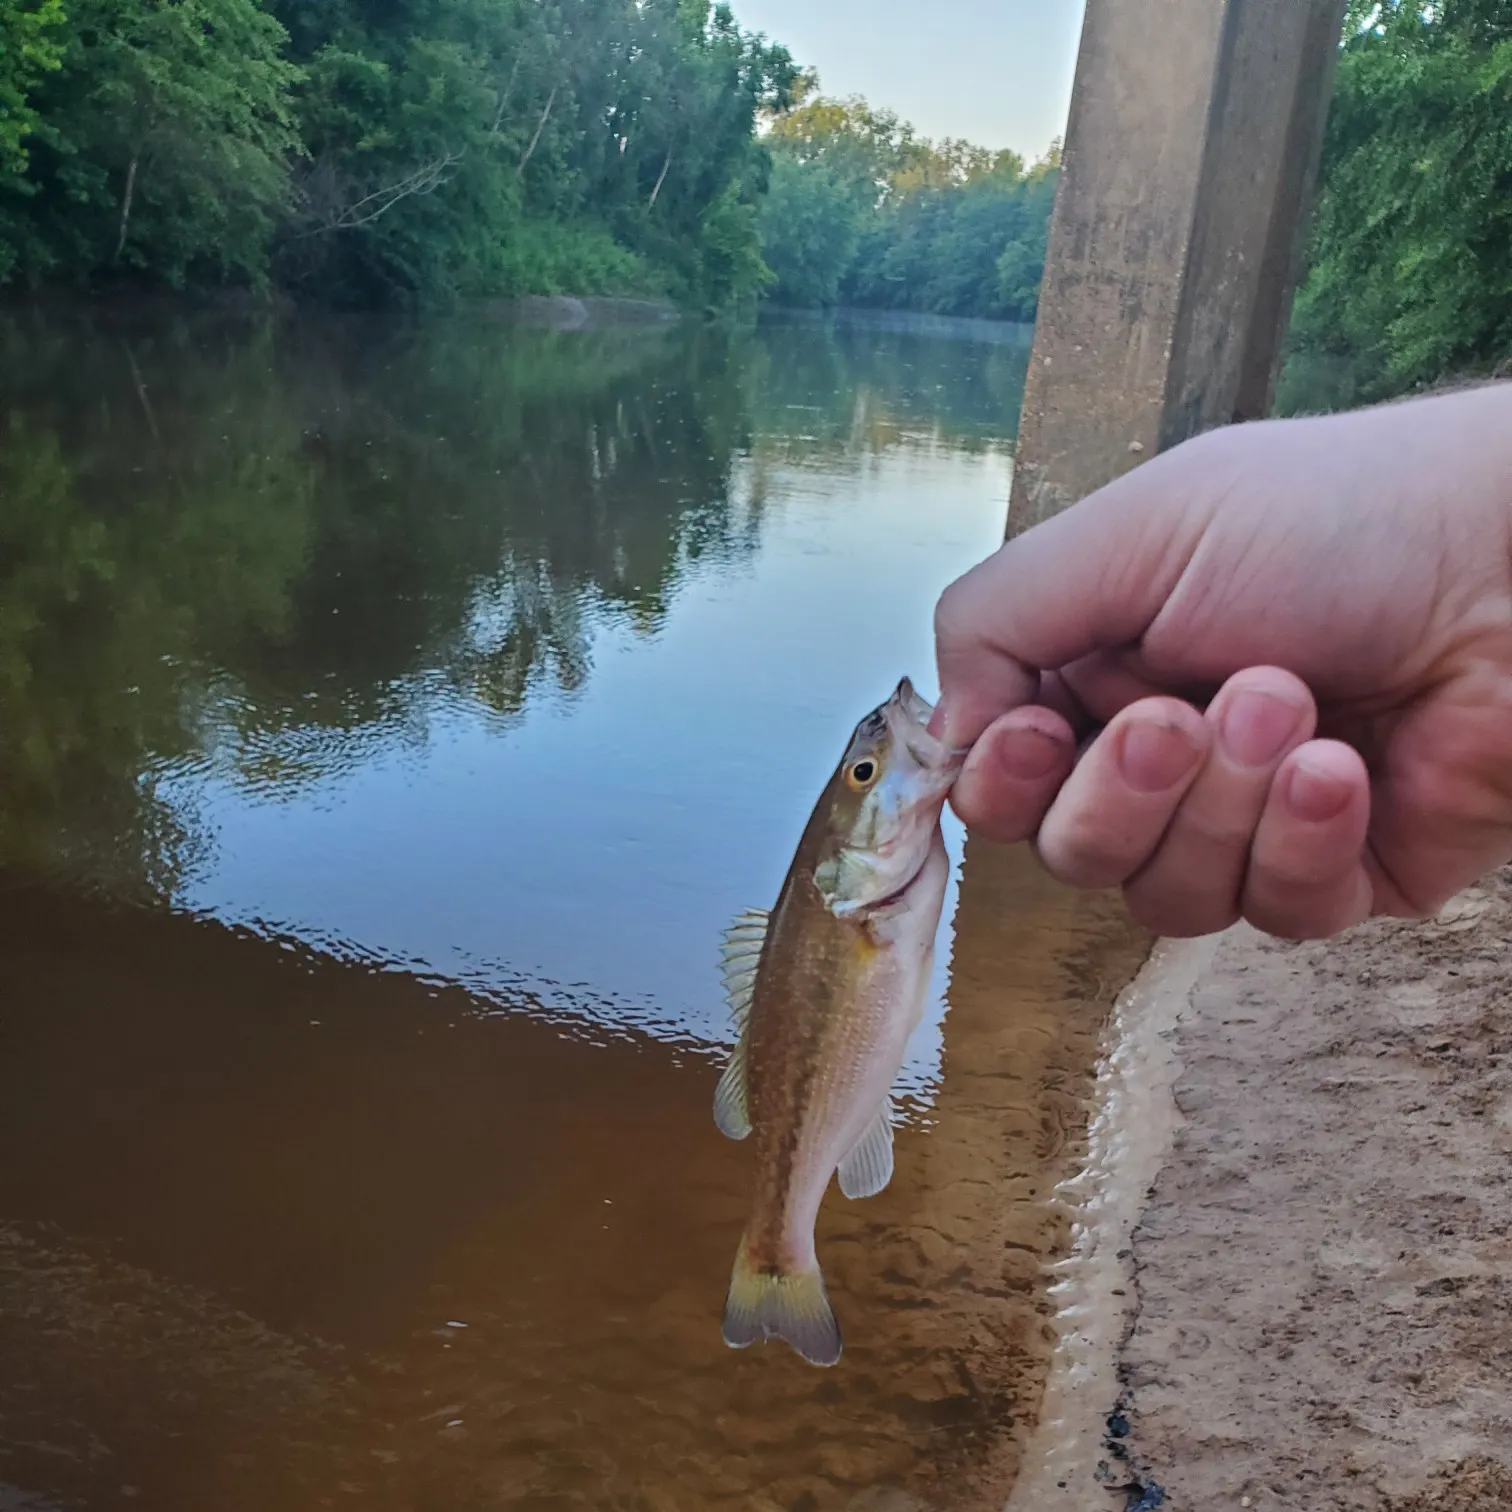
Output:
(1188, 168)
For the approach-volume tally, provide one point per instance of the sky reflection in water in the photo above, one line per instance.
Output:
(559, 635)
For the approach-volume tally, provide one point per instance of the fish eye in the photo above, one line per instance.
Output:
(861, 774)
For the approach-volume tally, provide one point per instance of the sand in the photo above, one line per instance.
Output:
(1324, 1266)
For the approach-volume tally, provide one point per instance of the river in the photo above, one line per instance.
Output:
(392, 714)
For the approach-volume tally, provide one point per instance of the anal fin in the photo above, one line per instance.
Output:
(869, 1166)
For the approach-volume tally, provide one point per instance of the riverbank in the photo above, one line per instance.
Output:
(1324, 1266)
(571, 312)
(561, 312)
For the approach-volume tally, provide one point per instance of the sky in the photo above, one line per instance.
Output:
(997, 72)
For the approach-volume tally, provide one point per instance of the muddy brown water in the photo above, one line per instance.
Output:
(390, 718)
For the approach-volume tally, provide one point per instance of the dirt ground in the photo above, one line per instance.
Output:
(1325, 1266)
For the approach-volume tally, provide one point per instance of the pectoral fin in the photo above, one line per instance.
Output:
(742, 954)
(869, 1166)
(730, 1112)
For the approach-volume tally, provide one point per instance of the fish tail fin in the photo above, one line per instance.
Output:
(768, 1302)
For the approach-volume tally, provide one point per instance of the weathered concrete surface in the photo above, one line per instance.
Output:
(1189, 161)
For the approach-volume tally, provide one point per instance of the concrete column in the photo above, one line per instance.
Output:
(1189, 162)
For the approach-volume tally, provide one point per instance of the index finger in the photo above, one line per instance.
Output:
(1089, 579)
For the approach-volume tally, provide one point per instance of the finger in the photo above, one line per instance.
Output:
(1092, 690)
(1110, 814)
(1193, 882)
(1090, 578)
(1307, 878)
(1055, 693)
(1441, 813)
(1107, 681)
(1013, 773)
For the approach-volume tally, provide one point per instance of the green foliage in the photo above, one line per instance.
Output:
(28, 49)
(163, 142)
(365, 152)
(862, 211)
(551, 257)
(811, 225)
(1411, 254)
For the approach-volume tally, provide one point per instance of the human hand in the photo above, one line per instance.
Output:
(1296, 637)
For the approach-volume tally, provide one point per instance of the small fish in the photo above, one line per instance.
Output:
(825, 991)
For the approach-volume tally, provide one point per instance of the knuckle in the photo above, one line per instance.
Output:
(952, 614)
(1306, 909)
(1291, 918)
(1089, 854)
(1003, 821)
(1182, 913)
(1301, 875)
(1223, 834)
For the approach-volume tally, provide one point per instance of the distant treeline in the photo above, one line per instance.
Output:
(374, 151)
(1409, 272)
(862, 211)
(361, 152)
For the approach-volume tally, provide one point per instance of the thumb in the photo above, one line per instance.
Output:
(1090, 579)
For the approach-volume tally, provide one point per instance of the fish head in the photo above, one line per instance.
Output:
(883, 805)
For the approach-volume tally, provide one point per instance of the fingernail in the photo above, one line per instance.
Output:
(1030, 755)
(1256, 727)
(936, 725)
(1314, 793)
(1154, 756)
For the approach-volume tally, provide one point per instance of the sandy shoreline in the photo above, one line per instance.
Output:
(1324, 1265)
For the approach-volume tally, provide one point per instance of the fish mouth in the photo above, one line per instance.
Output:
(909, 715)
(912, 702)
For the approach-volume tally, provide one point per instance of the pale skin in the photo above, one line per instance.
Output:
(1265, 675)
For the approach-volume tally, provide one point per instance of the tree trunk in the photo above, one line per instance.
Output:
(126, 197)
(508, 90)
(661, 178)
(540, 127)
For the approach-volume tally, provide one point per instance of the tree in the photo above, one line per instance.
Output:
(167, 133)
(863, 210)
(811, 224)
(28, 49)
(1411, 253)
(389, 151)
(504, 146)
